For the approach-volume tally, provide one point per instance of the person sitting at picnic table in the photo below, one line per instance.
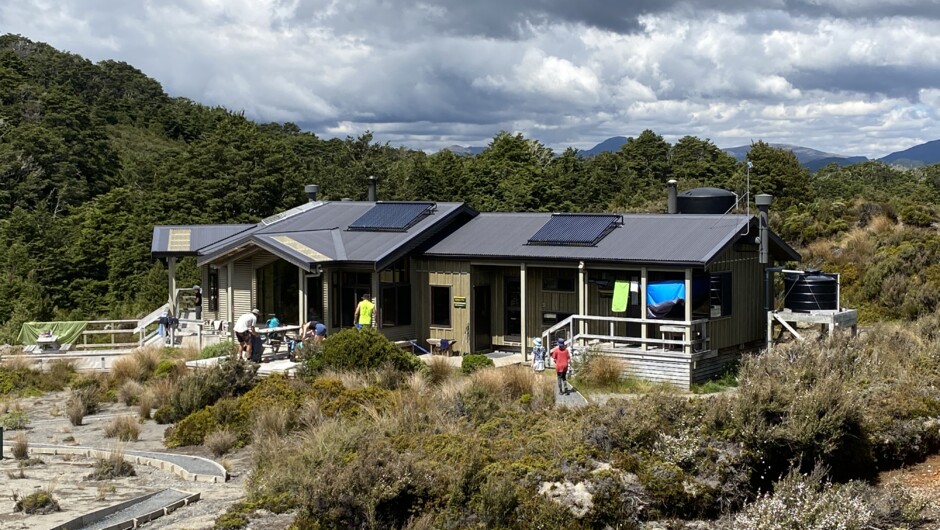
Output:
(245, 329)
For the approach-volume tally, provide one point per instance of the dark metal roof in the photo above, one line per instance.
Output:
(579, 230)
(643, 238)
(188, 239)
(320, 234)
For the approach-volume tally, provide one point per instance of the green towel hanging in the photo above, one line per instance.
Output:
(621, 297)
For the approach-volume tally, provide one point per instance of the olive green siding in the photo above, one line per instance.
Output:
(748, 321)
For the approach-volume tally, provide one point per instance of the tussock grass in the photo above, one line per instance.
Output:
(75, 410)
(16, 363)
(112, 466)
(145, 404)
(124, 428)
(270, 423)
(221, 442)
(439, 370)
(130, 392)
(162, 390)
(20, 448)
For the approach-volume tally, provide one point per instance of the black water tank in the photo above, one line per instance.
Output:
(810, 291)
(706, 200)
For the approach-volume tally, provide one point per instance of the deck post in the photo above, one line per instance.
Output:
(301, 295)
(376, 287)
(171, 273)
(582, 296)
(522, 310)
(230, 293)
(687, 348)
(643, 330)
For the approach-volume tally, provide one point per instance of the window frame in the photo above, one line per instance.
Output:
(725, 294)
(433, 307)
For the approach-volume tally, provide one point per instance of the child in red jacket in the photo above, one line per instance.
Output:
(562, 356)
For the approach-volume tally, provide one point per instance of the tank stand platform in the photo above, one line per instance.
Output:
(843, 318)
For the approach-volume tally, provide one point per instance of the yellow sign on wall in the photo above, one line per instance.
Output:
(460, 301)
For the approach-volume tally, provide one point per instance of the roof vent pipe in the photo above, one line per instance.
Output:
(372, 194)
(763, 201)
(672, 203)
(312, 190)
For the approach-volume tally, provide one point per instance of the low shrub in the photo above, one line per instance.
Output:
(474, 362)
(221, 349)
(191, 430)
(169, 368)
(14, 420)
(38, 503)
(230, 378)
(164, 415)
(124, 428)
(356, 350)
(809, 501)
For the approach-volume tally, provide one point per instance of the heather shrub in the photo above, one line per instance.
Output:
(169, 368)
(810, 502)
(15, 419)
(472, 363)
(201, 388)
(37, 503)
(191, 430)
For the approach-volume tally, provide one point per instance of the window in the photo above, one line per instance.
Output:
(395, 303)
(563, 280)
(719, 293)
(440, 306)
(213, 292)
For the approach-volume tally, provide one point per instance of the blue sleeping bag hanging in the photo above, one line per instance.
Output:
(663, 297)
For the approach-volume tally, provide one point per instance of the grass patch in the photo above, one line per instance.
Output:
(37, 503)
(728, 380)
(124, 428)
(111, 467)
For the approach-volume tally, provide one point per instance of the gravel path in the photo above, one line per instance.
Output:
(193, 464)
(156, 502)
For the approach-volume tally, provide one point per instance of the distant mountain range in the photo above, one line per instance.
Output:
(920, 155)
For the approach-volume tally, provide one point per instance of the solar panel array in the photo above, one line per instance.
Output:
(392, 216)
(575, 230)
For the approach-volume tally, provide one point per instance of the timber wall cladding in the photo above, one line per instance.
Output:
(748, 320)
(456, 276)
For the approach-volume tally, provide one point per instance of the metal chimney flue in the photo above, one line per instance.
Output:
(672, 201)
(312, 190)
(373, 196)
(763, 201)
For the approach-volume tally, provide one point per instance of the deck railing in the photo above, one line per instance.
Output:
(674, 335)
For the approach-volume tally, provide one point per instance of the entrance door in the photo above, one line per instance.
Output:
(513, 308)
(482, 311)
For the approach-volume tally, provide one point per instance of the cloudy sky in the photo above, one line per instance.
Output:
(854, 77)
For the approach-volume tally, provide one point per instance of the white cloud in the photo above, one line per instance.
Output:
(846, 74)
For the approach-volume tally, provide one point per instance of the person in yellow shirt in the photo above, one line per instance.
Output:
(364, 310)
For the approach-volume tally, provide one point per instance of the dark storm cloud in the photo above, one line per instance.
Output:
(893, 81)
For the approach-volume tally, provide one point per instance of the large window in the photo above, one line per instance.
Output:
(440, 306)
(720, 294)
(563, 280)
(212, 295)
(348, 288)
(395, 303)
(277, 291)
